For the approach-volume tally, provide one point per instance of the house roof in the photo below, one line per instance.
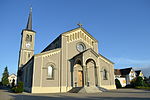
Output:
(12, 74)
(138, 72)
(117, 72)
(44, 50)
(125, 71)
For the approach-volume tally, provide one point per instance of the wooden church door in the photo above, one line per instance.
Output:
(80, 78)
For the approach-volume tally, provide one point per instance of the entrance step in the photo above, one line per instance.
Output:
(75, 89)
(102, 89)
(90, 90)
(85, 90)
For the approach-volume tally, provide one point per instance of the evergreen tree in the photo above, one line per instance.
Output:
(5, 76)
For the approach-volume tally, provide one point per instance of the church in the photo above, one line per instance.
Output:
(71, 61)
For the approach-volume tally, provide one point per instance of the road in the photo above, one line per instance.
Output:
(120, 94)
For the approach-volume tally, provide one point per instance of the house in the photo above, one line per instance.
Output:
(12, 78)
(125, 75)
(139, 73)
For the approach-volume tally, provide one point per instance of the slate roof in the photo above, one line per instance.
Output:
(29, 24)
(125, 71)
(138, 72)
(117, 72)
(12, 74)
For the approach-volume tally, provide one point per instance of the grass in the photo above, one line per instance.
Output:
(141, 87)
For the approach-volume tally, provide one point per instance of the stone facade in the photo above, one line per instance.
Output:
(71, 60)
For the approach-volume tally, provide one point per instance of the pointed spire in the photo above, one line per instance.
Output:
(29, 24)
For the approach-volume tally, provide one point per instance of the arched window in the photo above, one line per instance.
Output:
(27, 38)
(30, 38)
(50, 72)
(28, 55)
(105, 74)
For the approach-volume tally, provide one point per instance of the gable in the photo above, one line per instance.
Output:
(79, 33)
(141, 74)
(132, 72)
(12, 76)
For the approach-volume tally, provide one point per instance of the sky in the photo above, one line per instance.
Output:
(122, 28)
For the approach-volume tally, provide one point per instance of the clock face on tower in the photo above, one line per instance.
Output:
(28, 45)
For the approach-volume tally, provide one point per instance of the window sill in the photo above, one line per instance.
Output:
(50, 78)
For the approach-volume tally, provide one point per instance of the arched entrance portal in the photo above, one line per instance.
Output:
(91, 73)
(80, 78)
(78, 74)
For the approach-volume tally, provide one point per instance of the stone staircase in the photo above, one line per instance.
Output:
(93, 89)
(75, 89)
(102, 89)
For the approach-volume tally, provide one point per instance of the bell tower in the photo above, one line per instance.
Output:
(27, 43)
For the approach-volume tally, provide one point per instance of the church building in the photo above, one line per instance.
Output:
(70, 61)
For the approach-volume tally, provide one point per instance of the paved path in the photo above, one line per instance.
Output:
(120, 94)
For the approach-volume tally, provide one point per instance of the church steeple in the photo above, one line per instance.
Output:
(27, 42)
(29, 24)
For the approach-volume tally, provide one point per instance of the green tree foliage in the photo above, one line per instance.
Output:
(5, 76)
(118, 84)
(138, 81)
(18, 88)
(146, 82)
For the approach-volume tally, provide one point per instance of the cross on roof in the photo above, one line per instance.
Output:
(80, 25)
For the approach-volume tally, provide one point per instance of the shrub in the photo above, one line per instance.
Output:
(139, 82)
(18, 88)
(118, 84)
(1, 84)
(133, 81)
(128, 86)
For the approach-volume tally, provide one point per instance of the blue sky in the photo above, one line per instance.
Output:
(122, 28)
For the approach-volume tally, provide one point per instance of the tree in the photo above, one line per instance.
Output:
(118, 84)
(18, 88)
(5, 76)
(138, 81)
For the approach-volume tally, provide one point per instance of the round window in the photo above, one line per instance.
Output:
(80, 47)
